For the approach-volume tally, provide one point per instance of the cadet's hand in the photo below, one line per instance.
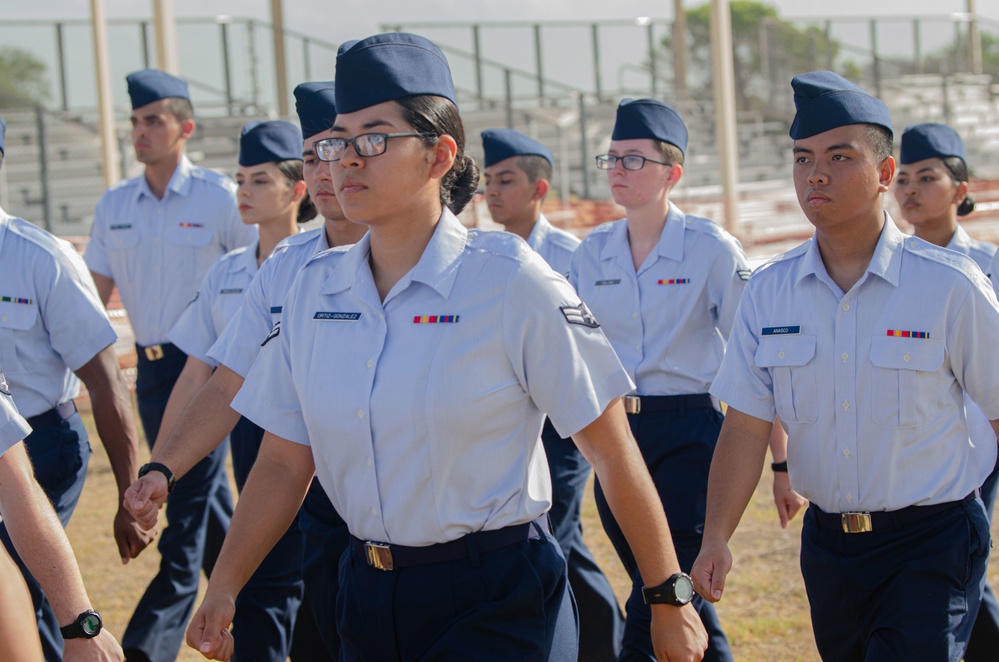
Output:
(129, 535)
(677, 634)
(710, 569)
(208, 632)
(788, 501)
(102, 648)
(145, 497)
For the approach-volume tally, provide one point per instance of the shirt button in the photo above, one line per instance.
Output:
(371, 362)
(4, 318)
(844, 356)
(780, 354)
(906, 358)
(849, 497)
(370, 461)
(846, 452)
(846, 405)
(634, 315)
(374, 512)
(360, 413)
(638, 346)
(846, 306)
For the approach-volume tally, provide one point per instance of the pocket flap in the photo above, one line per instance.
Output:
(778, 351)
(17, 316)
(906, 353)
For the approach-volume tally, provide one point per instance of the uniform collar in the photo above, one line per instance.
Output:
(670, 241)
(886, 262)
(539, 233)
(247, 260)
(960, 240)
(180, 181)
(437, 267)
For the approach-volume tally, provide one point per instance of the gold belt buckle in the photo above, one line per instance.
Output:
(154, 352)
(632, 404)
(856, 522)
(379, 555)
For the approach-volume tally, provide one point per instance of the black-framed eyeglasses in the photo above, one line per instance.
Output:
(366, 144)
(629, 162)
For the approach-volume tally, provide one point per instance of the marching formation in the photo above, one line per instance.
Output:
(414, 408)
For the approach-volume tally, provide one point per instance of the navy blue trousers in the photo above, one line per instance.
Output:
(896, 594)
(984, 643)
(513, 603)
(198, 513)
(60, 454)
(326, 539)
(601, 623)
(677, 447)
(268, 624)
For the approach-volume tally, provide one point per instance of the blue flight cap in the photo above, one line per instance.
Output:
(825, 100)
(149, 85)
(929, 140)
(387, 67)
(265, 142)
(3, 131)
(650, 118)
(500, 144)
(316, 108)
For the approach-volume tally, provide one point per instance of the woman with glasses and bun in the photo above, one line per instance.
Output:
(423, 360)
(931, 189)
(665, 287)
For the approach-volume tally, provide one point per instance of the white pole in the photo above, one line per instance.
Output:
(974, 40)
(724, 90)
(166, 37)
(105, 105)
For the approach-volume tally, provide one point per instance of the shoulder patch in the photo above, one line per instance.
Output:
(275, 332)
(579, 315)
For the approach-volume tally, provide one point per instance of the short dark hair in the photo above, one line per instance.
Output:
(958, 170)
(437, 116)
(536, 167)
(180, 108)
(670, 152)
(292, 171)
(881, 140)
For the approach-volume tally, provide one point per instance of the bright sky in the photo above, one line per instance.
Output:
(339, 20)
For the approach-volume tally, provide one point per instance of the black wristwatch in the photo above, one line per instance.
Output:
(779, 466)
(162, 468)
(86, 626)
(678, 590)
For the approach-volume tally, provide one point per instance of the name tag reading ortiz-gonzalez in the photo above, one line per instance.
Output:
(336, 317)
(781, 330)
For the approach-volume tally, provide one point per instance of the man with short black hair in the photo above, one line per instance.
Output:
(155, 236)
(863, 341)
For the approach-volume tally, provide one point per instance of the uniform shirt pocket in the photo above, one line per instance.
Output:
(903, 388)
(15, 320)
(790, 361)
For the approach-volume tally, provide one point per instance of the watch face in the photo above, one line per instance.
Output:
(91, 624)
(683, 588)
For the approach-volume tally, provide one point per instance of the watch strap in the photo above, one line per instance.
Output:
(665, 593)
(75, 629)
(779, 466)
(163, 469)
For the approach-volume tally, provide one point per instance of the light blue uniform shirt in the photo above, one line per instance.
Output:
(669, 320)
(13, 427)
(238, 345)
(157, 251)
(875, 419)
(554, 245)
(215, 304)
(51, 320)
(425, 410)
(981, 252)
